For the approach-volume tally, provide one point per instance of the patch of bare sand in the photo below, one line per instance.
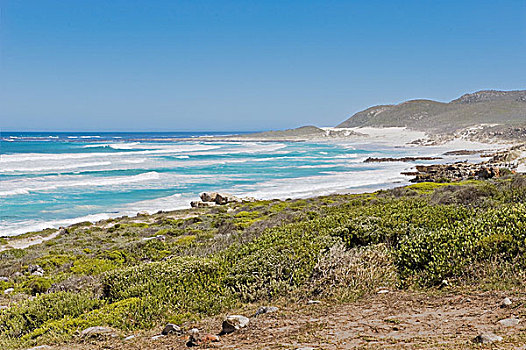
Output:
(26, 242)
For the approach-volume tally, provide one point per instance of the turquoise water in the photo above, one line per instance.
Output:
(54, 179)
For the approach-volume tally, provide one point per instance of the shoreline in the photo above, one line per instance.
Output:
(380, 137)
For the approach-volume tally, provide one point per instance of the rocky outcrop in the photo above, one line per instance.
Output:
(210, 199)
(402, 159)
(491, 95)
(463, 152)
(198, 204)
(455, 172)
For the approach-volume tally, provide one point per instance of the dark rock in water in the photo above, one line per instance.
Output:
(486, 338)
(233, 323)
(98, 331)
(463, 152)
(403, 159)
(171, 328)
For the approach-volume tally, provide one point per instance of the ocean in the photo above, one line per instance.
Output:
(56, 179)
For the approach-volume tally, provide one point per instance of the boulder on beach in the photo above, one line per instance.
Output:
(212, 198)
(225, 198)
(197, 204)
(208, 196)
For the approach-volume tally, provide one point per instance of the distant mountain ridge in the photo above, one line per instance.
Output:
(482, 107)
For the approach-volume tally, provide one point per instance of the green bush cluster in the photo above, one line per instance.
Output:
(31, 314)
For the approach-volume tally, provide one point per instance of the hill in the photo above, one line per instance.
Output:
(482, 107)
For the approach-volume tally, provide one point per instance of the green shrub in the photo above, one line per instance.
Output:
(51, 262)
(93, 266)
(31, 314)
(37, 284)
(186, 284)
(278, 261)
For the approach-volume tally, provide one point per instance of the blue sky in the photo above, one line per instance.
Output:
(245, 65)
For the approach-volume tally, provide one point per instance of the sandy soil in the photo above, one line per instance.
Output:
(396, 320)
(25, 242)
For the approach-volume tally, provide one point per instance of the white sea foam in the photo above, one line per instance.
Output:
(134, 161)
(14, 229)
(123, 145)
(56, 182)
(173, 202)
(327, 183)
(60, 167)
(25, 157)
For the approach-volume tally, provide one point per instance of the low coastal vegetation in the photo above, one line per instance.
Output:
(137, 273)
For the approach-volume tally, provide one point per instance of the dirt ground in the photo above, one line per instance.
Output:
(395, 320)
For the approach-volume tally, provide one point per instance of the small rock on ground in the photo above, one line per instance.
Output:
(233, 323)
(509, 322)
(265, 310)
(487, 338)
(40, 347)
(171, 328)
(98, 331)
(506, 302)
(195, 337)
